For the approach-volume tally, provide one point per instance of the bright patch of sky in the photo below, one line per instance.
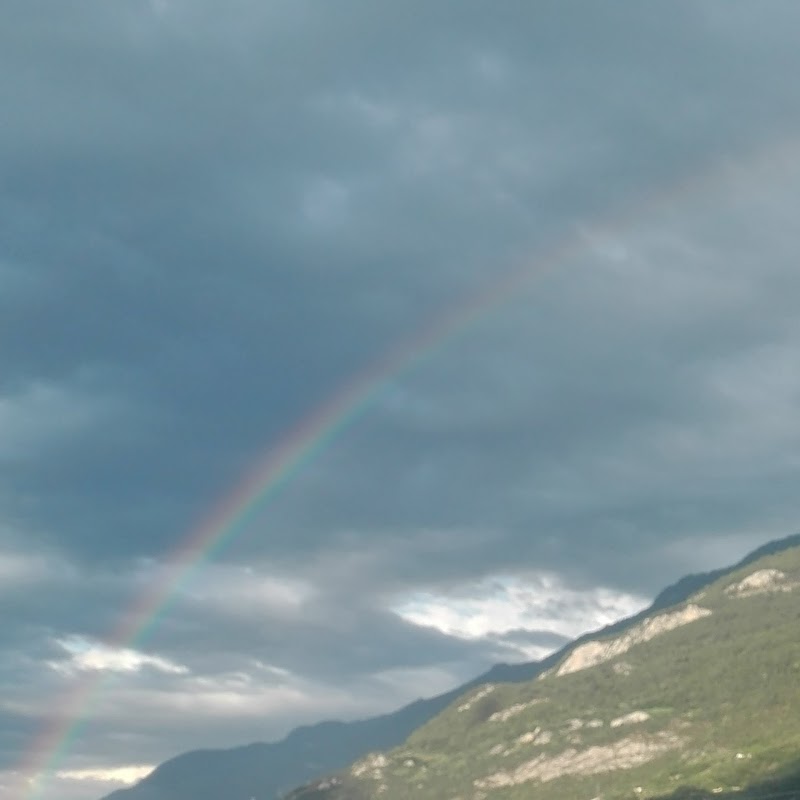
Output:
(503, 604)
(89, 656)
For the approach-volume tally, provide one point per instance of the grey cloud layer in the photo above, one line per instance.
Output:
(212, 219)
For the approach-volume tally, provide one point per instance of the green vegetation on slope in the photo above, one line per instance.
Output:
(708, 706)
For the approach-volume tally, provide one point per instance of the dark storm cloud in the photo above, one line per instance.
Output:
(211, 219)
(156, 168)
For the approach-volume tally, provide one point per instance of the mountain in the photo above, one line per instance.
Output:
(265, 771)
(699, 699)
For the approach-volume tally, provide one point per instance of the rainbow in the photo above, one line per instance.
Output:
(312, 435)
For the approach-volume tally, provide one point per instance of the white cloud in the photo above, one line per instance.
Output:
(503, 604)
(74, 784)
(92, 656)
(126, 775)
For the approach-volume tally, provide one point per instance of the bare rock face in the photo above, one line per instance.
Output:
(535, 738)
(592, 653)
(633, 718)
(372, 765)
(624, 754)
(760, 582)
(479, 695)
(512, 711)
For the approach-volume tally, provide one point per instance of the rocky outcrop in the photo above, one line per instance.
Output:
(479, 695)
(512, 711)
(535, 738)
(633, 718)
(760, 582)
(624, 754)
(372, 765)
(593, 653)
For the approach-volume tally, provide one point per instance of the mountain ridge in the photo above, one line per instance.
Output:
(266, 770)
(697, 700)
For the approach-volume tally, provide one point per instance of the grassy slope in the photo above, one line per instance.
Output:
(723, 685)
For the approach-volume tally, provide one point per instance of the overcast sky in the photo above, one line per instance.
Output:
(215, 216)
